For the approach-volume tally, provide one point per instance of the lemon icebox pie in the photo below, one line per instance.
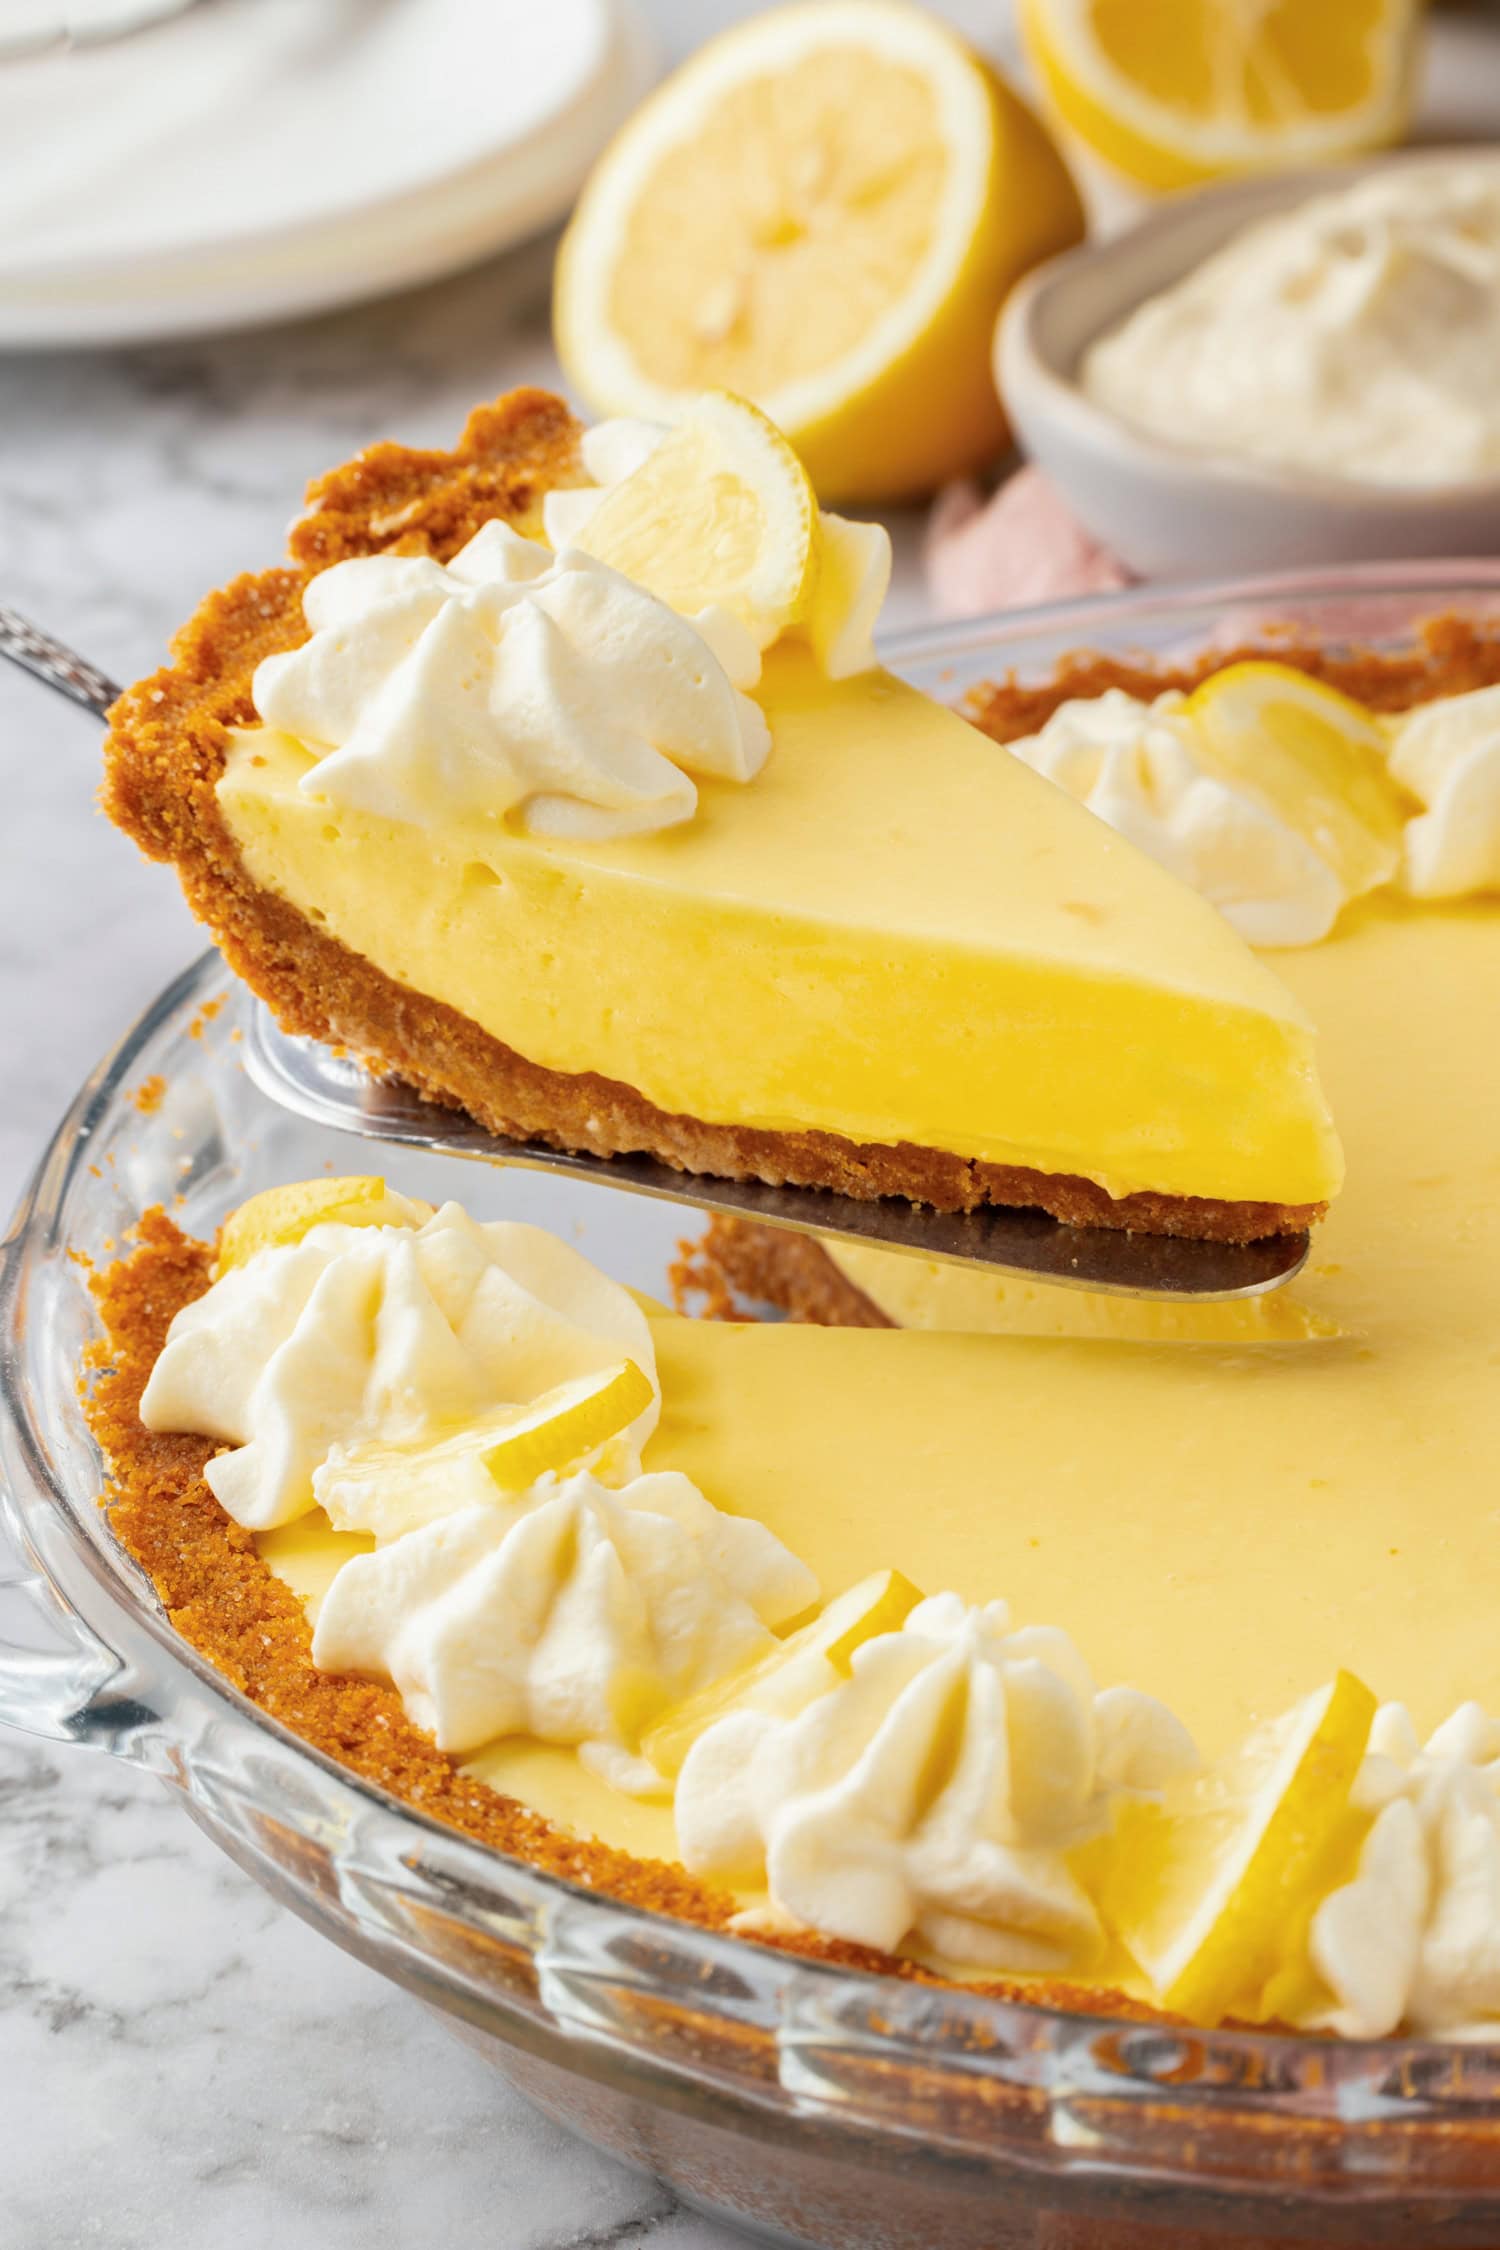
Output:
(556, 776)
(714, 1616)
(1070, 1646)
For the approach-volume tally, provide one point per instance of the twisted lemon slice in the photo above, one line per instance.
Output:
(1204, 1887)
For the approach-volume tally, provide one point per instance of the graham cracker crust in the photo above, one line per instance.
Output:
(229, 1605)
(164, 755)
(737, 1260)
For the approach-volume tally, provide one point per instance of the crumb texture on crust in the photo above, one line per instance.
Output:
(736, 1259)
(1452, 655)
(223, 1599)
(165, 753)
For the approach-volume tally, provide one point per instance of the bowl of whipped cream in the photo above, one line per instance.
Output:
(1283, 371)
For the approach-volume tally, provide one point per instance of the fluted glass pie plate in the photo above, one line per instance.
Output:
(810, 2103)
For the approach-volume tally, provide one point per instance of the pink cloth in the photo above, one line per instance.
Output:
(1023, 545)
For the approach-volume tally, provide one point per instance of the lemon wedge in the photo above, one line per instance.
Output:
(564, 1424)
(1204, 1887)
(720, 514)
(805, 1665)
(389, 1489)
(1178, 91)
(822, 210)
(1315, 757)
(280, 1216)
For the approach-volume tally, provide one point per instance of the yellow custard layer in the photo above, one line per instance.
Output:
(893, 933)
(1221, 1522)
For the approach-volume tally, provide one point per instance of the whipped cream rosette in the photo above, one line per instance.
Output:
(389, 1335)
(933, 1798)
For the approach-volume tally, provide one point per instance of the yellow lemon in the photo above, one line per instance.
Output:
(387, 1489)
(1172, 92)
(279, 1216)
(806, 1664)
(1318, 759)
(564, 1424)
(721, 513)
(1206, 1888)
(823, 210)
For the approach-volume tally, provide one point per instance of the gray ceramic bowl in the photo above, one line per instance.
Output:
(1166, 511)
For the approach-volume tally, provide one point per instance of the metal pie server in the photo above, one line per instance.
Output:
(325, 1088)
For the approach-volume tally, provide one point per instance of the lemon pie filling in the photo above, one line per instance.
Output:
(1102, 1024)
(925, 1775)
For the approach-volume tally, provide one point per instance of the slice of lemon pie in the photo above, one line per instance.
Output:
(556, 776)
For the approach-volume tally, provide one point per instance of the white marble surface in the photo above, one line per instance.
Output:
(181, 2062)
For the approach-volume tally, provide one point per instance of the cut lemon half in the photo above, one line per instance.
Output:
(1171, 92)
(1205, 1887)
(280, 1216)
(823, 210)
(1318, 759)
(803, 1666)
(389, 1489)
(720, 514)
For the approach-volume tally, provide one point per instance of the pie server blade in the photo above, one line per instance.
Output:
(328, 1089)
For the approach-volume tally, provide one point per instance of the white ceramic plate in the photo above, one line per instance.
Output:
(258, 159)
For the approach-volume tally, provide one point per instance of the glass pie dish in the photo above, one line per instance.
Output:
(810, 2103)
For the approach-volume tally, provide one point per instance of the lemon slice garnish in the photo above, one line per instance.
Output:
(1175, 91)
(281, 1216)
(1205, 1887)
(1314, 757)
(806, 1664)
(389, 1489)
(720, 515)
(565, 1424)
(823, 210)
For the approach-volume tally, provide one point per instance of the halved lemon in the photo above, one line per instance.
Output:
(1206, 1887)
(806, 1664)
(1318, 759)
(823, 210)
(720, 514)
(1171, 92)
(279, 1216)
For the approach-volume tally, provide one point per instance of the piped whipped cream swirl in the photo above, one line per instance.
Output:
(931, 1800)
(513, 680)
(1414, 1937)
(1138, 766)
(572, 1614)
(388, 1335)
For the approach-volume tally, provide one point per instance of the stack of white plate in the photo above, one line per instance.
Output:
(250, 160)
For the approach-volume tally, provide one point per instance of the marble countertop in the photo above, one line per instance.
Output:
(171, 2041)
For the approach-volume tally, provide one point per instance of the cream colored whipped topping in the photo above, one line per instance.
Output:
(932, 1799)
(1137, 765)
(1356, 335)
(513, 680)
(855, 558)
(388, 1335)
(572, 1614)
(1447, 754)
(1414, 1938)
